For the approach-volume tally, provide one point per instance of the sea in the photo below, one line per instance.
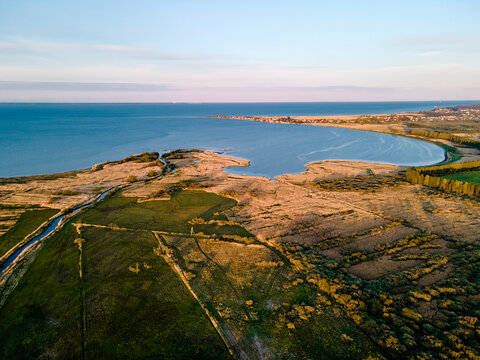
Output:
(43, 138)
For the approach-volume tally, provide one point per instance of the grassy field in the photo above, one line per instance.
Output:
(27, 223)
(42, 315)
(466, 176)
(143, 314)
(127, 315)
(257, 295)
(163, 215)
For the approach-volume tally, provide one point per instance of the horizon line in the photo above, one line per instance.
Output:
(232, 102)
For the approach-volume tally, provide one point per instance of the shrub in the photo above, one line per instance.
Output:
(52, 199)
(131, 178)
(159, 194)
(410, 314)
(152, 173)
(229, 193)
(135, 269)
(143, 157)
(64, 192)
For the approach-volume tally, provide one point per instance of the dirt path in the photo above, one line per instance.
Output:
(79, 242)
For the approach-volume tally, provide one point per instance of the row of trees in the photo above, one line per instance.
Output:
(432, 177)
(447, 136)
(450, 168)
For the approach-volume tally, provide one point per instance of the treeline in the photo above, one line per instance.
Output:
(432, 177)
(463, 140)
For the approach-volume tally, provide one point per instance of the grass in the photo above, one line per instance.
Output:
(231, 275)
(466, 176)
(210, 229)
(26, 224)
(128, 315)
(43, 313)
(225, 280)
(149, 314)
(453, 153)
(162, 215)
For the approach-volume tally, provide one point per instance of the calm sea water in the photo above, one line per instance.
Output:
(47, 138)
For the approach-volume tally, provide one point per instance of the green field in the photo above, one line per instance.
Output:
(26, 224)
(140, 315)
(43, 313)
(466, 176)
(163, 215)
(128, 315)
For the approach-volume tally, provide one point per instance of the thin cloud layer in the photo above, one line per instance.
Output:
(79, 86)
(249, 51)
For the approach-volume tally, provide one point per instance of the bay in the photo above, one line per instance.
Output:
(48, 138)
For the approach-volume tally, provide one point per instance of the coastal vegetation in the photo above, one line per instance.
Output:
(65, 192)
(367, 183)
(26, 179)
(177, 154)
(415, 310)
(144, 157)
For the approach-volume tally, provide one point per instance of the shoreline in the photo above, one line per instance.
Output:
(396, 124)
(391, 124)
(447, 155)
(244, 163)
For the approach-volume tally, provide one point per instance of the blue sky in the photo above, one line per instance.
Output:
(192, 50)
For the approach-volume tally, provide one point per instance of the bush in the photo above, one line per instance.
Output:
(410, 314)
(143, 157)
(152, 173)
(131, 179)
(65, 192)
